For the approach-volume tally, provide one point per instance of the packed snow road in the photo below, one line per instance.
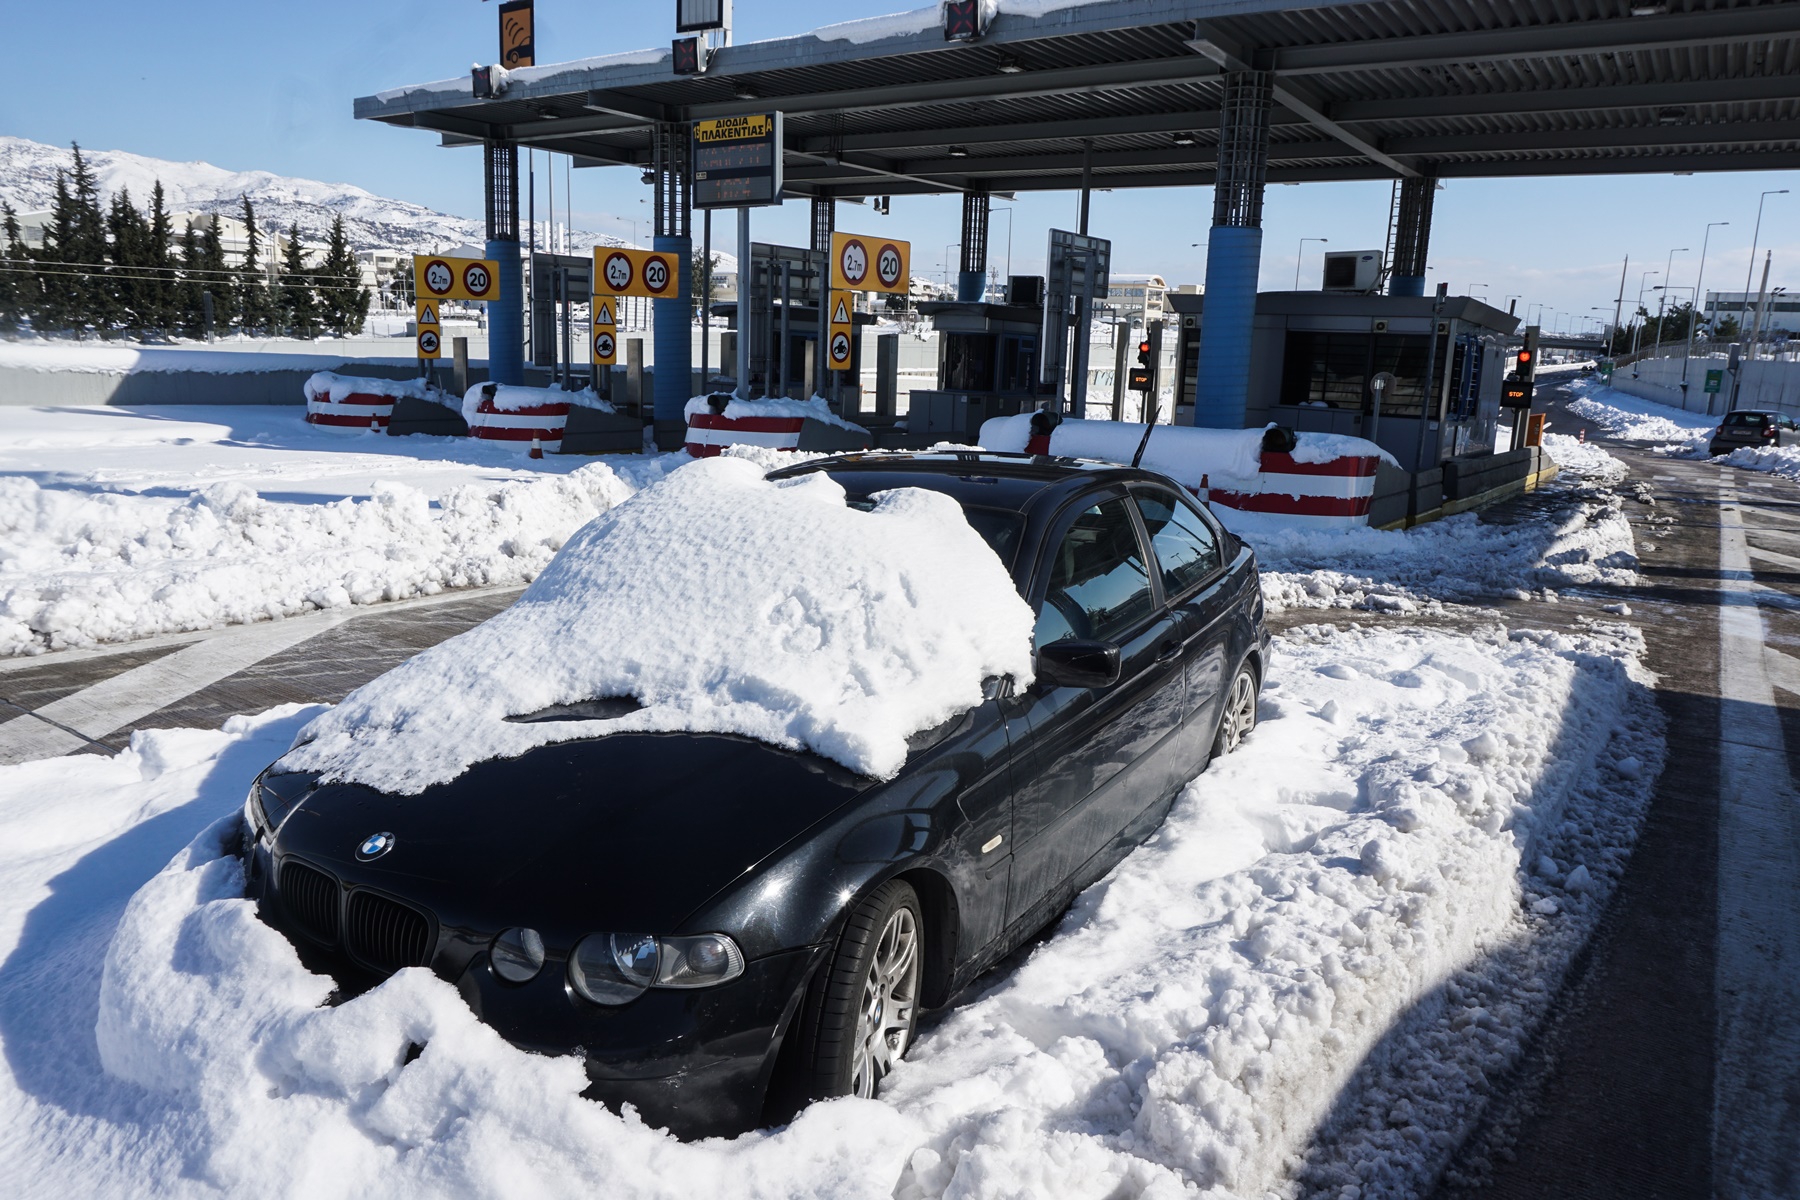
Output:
(1305, 982)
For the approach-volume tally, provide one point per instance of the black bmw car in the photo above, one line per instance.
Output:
(725, 929)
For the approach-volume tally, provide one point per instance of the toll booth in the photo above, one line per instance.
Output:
(987, 365)
(781, 287)
(1313, 355)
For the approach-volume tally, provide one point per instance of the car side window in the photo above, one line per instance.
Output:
(1186, 549)
(1099, 584)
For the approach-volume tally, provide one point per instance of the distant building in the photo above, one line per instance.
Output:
(1137, 298)
(1780, 314)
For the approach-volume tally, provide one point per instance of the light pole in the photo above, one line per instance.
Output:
(1744, 313)
(1472, 288)
(1667, 267)
(947, 249)
(1694, 317)
(1637, 327)
(1298, 254)
(1008, 210)
(1510, 299)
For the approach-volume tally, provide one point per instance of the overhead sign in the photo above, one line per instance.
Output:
(442, 278)
(866, 264)
(652, 273)
(605, 341)
(840, 340)
(737, 161)
(518, 46)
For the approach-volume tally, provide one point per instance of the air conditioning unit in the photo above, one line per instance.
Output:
(1352, 271)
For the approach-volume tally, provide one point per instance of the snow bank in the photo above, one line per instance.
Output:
(90, 359)
(328, 385)
(1367, 909)
(78, 568)
(781, 614)
(1639, 420)
(1776, 460)
(815, 409)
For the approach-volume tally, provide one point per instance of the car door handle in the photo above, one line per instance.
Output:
(1169, 653)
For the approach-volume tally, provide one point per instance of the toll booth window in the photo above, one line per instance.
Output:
(1018, 364)
(1332, 370)
(968, 364)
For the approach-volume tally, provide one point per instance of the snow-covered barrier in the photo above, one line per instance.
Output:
(715, 422)
(1326, 481)
(357, 402)
(504, 412)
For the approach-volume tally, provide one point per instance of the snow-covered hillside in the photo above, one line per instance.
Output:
(28, 181)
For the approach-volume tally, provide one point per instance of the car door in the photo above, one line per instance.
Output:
(1079, 753)
(1188, 553)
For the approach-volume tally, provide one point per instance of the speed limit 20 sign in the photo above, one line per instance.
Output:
(866, 264)
(439, 277)
(622, 272)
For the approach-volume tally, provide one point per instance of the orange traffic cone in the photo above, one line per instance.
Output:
(374, 424)
(537, 449)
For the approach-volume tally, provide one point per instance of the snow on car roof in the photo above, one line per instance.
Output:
(723, 602)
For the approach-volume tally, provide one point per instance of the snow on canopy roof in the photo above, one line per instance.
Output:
(782, 614)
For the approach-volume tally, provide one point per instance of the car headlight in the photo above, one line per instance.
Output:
(617, 968)
(517, 955)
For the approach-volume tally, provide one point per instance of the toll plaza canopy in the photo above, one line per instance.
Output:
(1132, 91)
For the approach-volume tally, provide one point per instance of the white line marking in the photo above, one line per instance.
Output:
(1756, 1115)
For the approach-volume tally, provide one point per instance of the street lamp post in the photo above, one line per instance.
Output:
(1298, 254)
(1472, 288)
(1667, 267)
(1744, 313)
(1637, 327)
(1694, 316)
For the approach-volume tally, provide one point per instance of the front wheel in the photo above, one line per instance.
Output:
(863, 1008)
(1239, 717)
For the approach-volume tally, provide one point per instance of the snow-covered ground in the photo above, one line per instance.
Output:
(1306, 978)
(1682, 434)
(1463, 558)
(121, 523)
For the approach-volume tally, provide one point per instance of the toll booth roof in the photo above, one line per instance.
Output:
(1466, 309)
(1362, 89)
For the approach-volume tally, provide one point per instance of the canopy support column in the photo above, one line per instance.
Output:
(1412, 235)
(672, 176)
(971, 278)
(1234, 252)
(506, 313)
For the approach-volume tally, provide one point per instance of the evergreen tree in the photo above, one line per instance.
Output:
(215, 279)
(299, 303)
(160, 290)
(188, 313)
(701, 273)
(343, 301)
(252, 296)
(86, 251)
(17, 279)
(130, 292)
(58, 296)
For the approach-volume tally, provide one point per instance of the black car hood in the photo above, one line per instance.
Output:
(628, 832)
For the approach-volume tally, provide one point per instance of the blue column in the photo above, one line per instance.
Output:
(1406, 285)
(1227, 323)
(674, 349)
(506, 316)
(970, 286)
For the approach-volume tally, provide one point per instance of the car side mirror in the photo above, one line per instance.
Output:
(1078, 663)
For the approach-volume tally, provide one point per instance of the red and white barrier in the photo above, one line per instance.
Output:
(772, 424)
(1326, 482)
(507, 413)
(355, 402)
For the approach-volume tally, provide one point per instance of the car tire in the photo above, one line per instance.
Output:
(1238, 716)
(862, 1007)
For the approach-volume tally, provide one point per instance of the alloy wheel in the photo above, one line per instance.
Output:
(890, 1002)
(1240, 712)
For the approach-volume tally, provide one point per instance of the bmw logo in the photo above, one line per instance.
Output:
(374, 846)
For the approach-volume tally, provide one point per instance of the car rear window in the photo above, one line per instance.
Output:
(999, 528)
(1746, 418)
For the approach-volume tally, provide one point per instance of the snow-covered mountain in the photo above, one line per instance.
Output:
(28, 181)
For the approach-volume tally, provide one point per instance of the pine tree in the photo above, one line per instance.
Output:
(215, 279)
(85, 252)
(252, 296)
(17, 279)
(160, 292)
(344, 302)
(188, 312)
(130, 292)
(57, 297)
(299, 303)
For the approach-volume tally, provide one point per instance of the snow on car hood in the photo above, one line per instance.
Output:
(723, 603)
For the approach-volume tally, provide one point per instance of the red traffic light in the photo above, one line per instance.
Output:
(1143, 347)
(1524, 357)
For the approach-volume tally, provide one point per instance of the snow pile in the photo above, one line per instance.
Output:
(1776, 460)
(81, 358)
(78, 568)
(815, 409)
(1638, 420)
(1366, 909)
(1584, 541)
(802, 621)
(1583, 460)
(337, 388)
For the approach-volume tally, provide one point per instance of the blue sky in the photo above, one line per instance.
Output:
(262, 86)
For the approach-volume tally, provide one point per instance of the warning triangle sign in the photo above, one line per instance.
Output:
(427, 315)
(604, 316)
(842, 315)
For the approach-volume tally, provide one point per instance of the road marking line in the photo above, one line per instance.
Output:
(66, 725)
(1756, 1118)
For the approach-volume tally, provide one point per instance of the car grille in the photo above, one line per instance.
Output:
(386, 935)
(312, 900)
